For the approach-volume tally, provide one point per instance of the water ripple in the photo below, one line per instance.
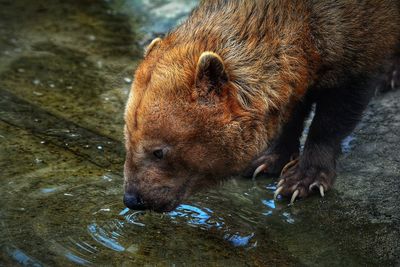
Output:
(103, 237)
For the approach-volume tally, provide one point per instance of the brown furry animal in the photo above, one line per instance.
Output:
(232, 85)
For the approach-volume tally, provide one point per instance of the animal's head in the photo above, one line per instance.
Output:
(185, 128)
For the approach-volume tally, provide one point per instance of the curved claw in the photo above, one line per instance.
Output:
(294, 196)
(259, 169)
(289, 165)
(280, 183)
(321, 191)
(277, 191)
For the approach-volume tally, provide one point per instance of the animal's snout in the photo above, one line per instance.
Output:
(133, 201)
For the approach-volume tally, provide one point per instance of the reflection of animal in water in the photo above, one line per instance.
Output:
(230, 88)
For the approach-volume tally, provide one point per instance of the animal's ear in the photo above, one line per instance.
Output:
(210, 73)
(151, 46)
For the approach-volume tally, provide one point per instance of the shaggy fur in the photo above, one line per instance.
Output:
(238, 78)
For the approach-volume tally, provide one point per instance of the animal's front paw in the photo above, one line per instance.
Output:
(299, 182)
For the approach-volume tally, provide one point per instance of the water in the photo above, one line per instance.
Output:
(65, 72)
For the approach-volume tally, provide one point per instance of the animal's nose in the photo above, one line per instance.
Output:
(133, 201)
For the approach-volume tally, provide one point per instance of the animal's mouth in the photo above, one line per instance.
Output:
(159, 207)
(136, 202)
(172, 202)
(158, 199)
(167, 207)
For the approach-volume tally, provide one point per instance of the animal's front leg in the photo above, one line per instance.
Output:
(337, 112)
(286, 147)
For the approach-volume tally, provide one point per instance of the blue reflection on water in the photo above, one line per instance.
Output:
(101, 236)
(22, 258)
(288, 217)
(239, 241)
(48, 190)
(124, 211)
(269, 203)
(196, 216)
(76, 259)
(203, 217)
(271, 187)
(85, 246)
(267, 213)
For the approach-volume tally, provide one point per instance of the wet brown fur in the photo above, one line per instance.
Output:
(273, 52)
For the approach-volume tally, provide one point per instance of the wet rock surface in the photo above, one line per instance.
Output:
(65, 73)
(370, 177)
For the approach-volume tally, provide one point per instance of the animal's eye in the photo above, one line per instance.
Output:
(158, 153)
